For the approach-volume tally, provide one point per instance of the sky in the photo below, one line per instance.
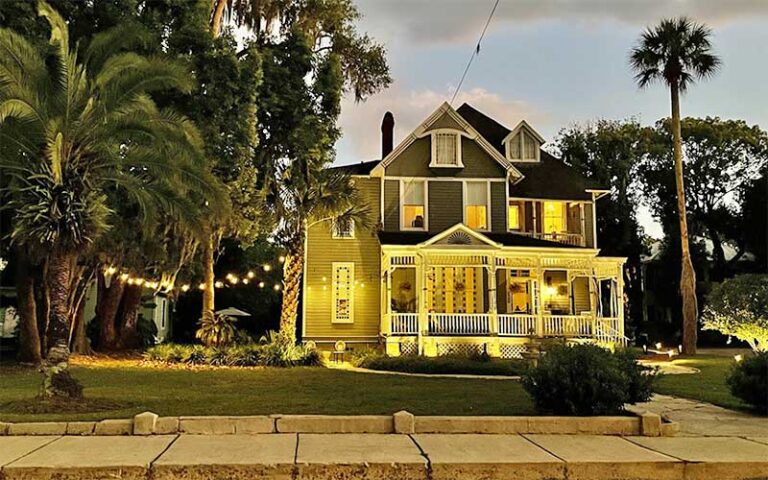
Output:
(554, 63)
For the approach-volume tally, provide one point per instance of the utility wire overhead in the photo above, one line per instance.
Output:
(475, 52)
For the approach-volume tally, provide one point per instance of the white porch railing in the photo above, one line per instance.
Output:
(404, 323)
(459, 323)
(608, 330)
(575, 239)
(567, 325)
(517, 325)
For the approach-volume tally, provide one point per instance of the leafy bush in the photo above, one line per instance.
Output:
(739, 307)
(249, 355)
(360, 356)
(587, 380)
(748, 380)
(453, 364)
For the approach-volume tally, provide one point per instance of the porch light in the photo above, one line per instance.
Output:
(551, 291)
(738, 358)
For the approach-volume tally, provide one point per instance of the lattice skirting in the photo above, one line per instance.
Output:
(409, 348)
(512, 351)
(465, 349)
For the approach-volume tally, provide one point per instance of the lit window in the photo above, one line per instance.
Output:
(343, 229)
(514, 217)
(413, 204)
(446, 150)
(343, 292)
(554, 217)
(477, 205)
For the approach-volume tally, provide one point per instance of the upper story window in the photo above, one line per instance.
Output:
(514, 216)
(523, 144)
(413, 205)
(446, 149)
(554, 217)
(343, 229)
(476, 205)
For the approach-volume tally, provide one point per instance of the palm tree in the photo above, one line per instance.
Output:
(82, 126)
(303, 195)
(678, 52)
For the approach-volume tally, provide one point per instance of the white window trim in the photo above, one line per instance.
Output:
(488, 215)
(433, 143)
(522, 148)
(403, 227)
(351, 289)
(336, 236)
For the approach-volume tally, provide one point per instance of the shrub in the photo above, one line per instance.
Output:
(748, 380)
(586, 380)
(739, 307)
(447, 364)
(216, 330)
(250, 355)
(360, 356)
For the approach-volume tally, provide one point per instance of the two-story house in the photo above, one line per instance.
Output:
(484, 241)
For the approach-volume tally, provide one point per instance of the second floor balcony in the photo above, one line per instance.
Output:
(565, 222)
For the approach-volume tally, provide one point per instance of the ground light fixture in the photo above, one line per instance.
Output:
(738, 358)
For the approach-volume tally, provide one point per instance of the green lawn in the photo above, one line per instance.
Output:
(174, 392)
(708, 386)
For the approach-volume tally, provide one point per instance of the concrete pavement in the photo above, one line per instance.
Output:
(382, 456)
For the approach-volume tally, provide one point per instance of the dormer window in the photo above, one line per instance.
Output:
(446, 149)
(523, 144)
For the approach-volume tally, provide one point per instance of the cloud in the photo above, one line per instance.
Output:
(450, 21)
(361, 123)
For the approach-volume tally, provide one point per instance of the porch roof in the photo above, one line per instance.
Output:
(507, 239)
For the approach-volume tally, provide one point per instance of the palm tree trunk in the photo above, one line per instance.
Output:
(218, 12)
(208, 279)
(80, 343)
(106, 310)
(57, 380)
(29, 335)
(293, 269)
(687, 274)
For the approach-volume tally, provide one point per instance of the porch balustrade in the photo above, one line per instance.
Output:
(509, 325)
(575, 239)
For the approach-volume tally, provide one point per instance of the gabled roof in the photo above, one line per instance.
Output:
(446, 109)
(362, 168)
(523, 124)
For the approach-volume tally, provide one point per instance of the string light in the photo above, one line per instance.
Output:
(124, 277)
(281, 259)
(233, 280)
(251, 274)
(267, 267)
(277, 287)
(185, 288)
(201, 286)
(218, 284)
(245, 281)
(261, 284)
(110, 270)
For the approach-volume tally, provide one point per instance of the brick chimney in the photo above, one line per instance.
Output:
(387, 133)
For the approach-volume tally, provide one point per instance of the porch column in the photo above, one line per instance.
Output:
(620, 301)
(387, 328)
(540, 302)
(493, 323)
(421, 300)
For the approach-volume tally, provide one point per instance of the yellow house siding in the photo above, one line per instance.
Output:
(365, 252)
(588, 220)
(581, 295)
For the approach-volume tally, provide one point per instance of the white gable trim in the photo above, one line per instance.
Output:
(463, 228)
(528, 127)
(420, 131)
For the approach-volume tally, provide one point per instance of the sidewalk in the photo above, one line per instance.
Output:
(383, 456)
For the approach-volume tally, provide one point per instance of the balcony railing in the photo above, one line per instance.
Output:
(574, 239)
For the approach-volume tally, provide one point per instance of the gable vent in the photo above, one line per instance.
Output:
(459, 238)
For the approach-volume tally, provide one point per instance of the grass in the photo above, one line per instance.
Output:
(173, 391)
(708, 385)
(443, 365)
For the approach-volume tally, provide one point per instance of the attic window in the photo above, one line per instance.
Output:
(523, 147)
(446, 149)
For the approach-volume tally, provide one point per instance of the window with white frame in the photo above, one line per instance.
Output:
(446, 149)
(413, 204)
(476, 205)
(343, 284)
(523, 147)
(514, 216)
(343, 228)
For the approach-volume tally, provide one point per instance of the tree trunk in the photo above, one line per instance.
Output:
(81, 345)
(218, 12)
(129, 317)
(29, 335)
(292, 273)
(687, 274)
(106, 310)
(57, 380)
(208, 279)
